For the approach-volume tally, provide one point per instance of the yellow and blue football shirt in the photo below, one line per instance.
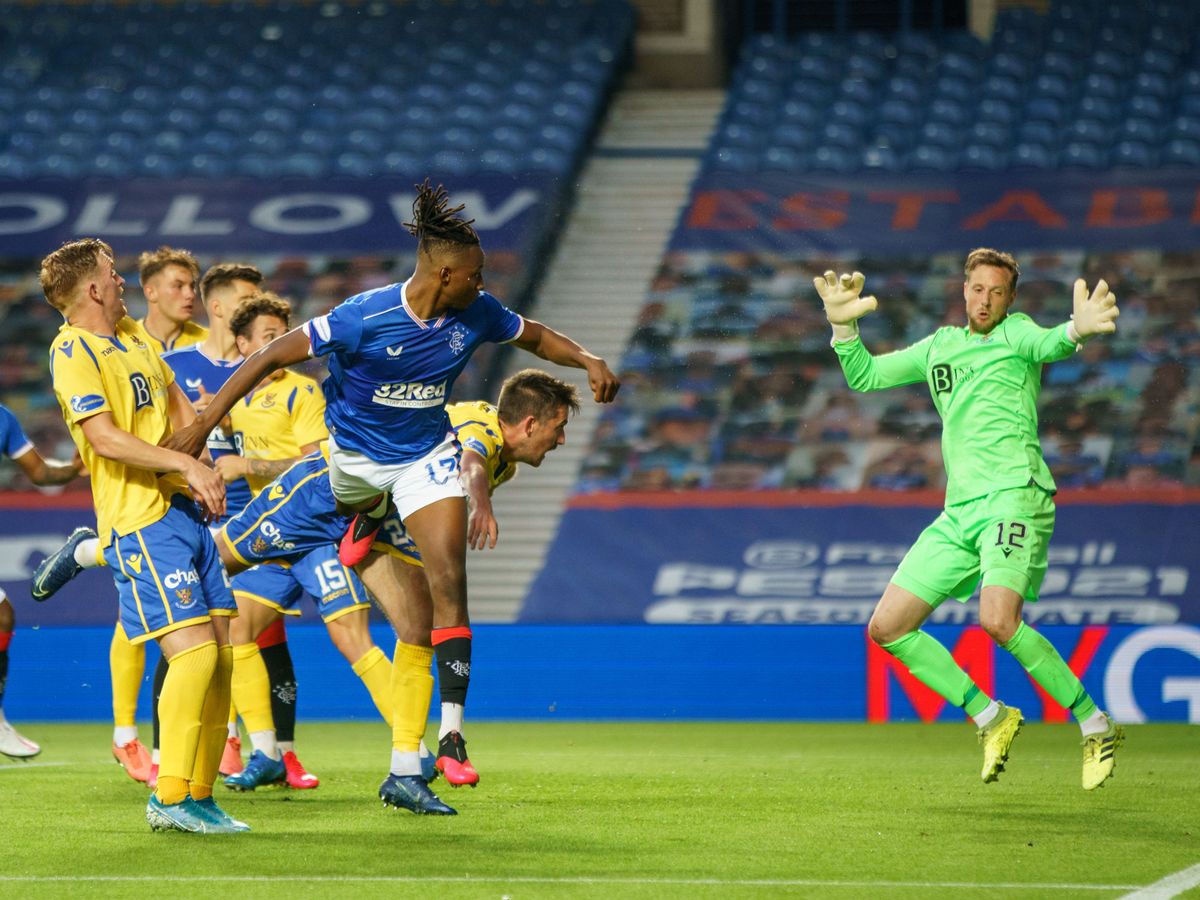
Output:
(477, 427)
(122, 375)
(191, 334)
(276, 420)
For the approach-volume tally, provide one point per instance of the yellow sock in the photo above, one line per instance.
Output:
(412, 688)
(127, 663)
(179, 710)
(252, 688)
(375, 670)
(213, 726)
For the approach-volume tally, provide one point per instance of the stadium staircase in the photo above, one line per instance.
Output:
(627, 202)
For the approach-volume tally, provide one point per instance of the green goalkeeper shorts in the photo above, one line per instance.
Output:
(1002, 536)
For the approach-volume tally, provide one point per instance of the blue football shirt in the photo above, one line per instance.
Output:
(195, 370)
(13, 441)
(390, 372)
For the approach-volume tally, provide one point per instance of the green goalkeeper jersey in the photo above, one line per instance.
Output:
(985, 388)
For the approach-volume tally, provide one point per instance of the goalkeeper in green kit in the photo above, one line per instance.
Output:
(999, 512)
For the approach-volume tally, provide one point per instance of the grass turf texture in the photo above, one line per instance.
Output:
(635, 810)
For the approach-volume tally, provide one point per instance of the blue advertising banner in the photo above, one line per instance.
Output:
(549, 672)
(790, 559)
(920, 212)
(329, 215)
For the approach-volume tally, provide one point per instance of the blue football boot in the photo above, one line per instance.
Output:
(260, 770)
(222, 822)
(411, 792)
(59, 567)
(184, 816)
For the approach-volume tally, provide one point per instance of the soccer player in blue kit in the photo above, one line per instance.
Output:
(394, 353)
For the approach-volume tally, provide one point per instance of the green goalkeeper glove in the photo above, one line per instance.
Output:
(1093, 315)
(843, 305)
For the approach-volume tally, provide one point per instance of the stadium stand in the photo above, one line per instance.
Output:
(242, 90)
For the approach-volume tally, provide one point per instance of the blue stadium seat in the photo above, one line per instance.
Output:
(1182, 153)
(835, 159)
(954, 88)
(1000, 111)
(940, 134)
(1045, 109)
(734, 159)
(1189, 104)
(839, 134)
(111, 165)
(1003, 87)
(1029, 155)
(1063, 65)
(1187, 127)
(504, 162)
(1009, 65)
(789, 134)
(1152, 84)
(1082, 155)
(802, 112)
(1056, 87)
(401, 162)
(1144, 106)
(1103, 109)
(753, 113)
(1142, 131)
(983, 156)
(1102, 84)
(901, 112)
(737, 135)
(904, 90)
(991, 134)
(932, 157)
(1109, 62)
(1088, 131)
(783, 159)
(950, 111)
(857, 89)
(210, 165)
(892, 134)
(852, 114)
(1133, 154)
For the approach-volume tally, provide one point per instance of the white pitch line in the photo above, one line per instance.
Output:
(581, 880)
(17, 767)
(1171, 886)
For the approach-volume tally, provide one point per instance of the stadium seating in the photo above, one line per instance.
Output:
(264, 78)
(1108, 84)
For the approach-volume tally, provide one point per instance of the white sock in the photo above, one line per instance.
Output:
(452, 719)
(154, 757)
(85, 553)
(989, 712)
(287, 746)
(123, 734)
(423, 751)
(1096, 723)
(265, 741)
(406, 762)
(233, 730)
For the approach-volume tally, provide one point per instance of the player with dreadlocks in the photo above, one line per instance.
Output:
(394, 353)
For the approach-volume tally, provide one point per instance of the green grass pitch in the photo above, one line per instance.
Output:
(630, 810)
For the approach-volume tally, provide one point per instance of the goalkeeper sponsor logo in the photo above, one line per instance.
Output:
(410, 395)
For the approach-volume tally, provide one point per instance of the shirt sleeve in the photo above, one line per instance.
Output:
(78, 384)
(865, 372)
(308, 414)
(338, 331)
(13, 441)
(503, 325)
(1037, 344)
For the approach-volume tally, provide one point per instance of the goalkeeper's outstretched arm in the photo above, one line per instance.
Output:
(843, 304)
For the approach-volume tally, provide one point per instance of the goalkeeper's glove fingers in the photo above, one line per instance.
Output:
(1094, 314)
(840, 296)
